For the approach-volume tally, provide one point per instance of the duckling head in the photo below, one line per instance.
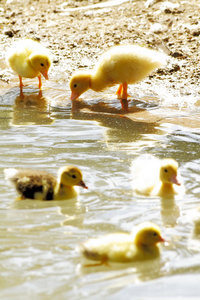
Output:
(70, 176)
(79, 83)
(148, 234)
(41, 63)
(169, 171)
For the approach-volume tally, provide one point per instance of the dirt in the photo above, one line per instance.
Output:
(77, 32)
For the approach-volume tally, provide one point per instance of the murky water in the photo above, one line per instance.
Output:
(39, 257)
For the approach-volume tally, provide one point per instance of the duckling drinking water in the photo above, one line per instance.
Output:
(123, 65)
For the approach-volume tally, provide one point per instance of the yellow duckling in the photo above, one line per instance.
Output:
(123, 65)
(39, 185)
(140, 245)
(29, 59)
(155, 177)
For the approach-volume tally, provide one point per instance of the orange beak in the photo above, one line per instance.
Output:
(161, 240)
(82, 184)
(74, 96)
(45, 74)
(174, 180)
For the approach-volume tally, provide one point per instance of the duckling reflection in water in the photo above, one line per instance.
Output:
(170, 212)
(40, 185)
(155, 177)
(140, 245)
(28, 59)
(123, 65)
(33, 109)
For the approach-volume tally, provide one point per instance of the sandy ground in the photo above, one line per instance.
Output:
(77, 32)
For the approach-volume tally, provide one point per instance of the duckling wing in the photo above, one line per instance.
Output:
(145, 174)
(112, 247)
(32, 184)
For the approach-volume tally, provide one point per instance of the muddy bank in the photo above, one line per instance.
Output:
(77, 32)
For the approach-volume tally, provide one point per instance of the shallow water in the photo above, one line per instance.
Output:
(39, 257)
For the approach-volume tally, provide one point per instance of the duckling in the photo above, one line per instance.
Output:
(123, 65)
(28, 59)
(40, 185)
(140, 245)
(155, 177)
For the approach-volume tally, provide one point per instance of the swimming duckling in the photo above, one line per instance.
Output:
(29, 59)
(40, 185)
(140, 245)
(123, 65)
(155, 177)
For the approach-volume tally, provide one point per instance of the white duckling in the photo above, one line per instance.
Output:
(156, 177)
(40, 185)
(140, 245)
(123, 65)
(29, 59)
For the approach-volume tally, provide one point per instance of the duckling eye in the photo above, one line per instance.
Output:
(154, 234)
(42, 65)
(166, 170)
(73, 176)
(75, 85)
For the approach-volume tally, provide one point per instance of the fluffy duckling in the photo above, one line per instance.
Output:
(140, 245)
(39, 185)
(123, 65)
(155, 177)
(29, 59)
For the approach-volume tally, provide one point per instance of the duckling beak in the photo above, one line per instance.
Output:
(174, 180)
(82, 184)
(74, 96)
(161, 240)
(45, 74)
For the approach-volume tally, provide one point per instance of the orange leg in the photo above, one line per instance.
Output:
(119, 91)
(124, 101)
(101, 263)
(21, 86)
(124, 93)
(124, 104)
(20, 82)
(40, 82)
(40, 93)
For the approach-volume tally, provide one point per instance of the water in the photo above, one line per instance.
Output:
(39, 257)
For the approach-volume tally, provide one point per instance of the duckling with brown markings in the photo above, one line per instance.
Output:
(40, 185)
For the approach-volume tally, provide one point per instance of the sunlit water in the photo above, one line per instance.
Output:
(39, 240)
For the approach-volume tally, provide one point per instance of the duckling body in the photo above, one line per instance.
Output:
(155, 177)
(123, 65)
(140, 245)
(40, 185)
(29, 59)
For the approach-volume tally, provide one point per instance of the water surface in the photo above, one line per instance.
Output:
(39, 257)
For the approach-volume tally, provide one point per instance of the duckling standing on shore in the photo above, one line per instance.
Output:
(29, 59)
(140, 245)
(40, 185)
(156, 177)
(123, 65)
